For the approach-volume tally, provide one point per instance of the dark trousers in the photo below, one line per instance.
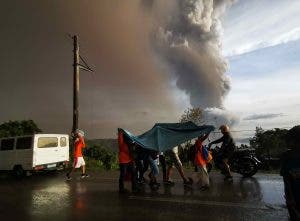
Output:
(140, 169)
(125, 169)
(162, 161)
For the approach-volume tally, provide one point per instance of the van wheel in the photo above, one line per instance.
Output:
(18, 171)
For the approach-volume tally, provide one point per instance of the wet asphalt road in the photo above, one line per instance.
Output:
(50, 197)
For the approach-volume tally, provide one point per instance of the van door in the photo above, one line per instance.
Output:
(50, 149)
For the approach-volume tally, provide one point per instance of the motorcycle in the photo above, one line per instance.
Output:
(243, 162)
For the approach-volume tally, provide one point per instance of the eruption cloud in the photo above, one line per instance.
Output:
(217, 117)
(153, 59)
(187, 38)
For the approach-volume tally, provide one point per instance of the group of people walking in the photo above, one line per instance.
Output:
(134, 162)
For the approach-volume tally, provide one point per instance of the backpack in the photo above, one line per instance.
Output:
(206, 154)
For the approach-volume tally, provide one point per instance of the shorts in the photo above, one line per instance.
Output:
(78, 162)
(172, 159)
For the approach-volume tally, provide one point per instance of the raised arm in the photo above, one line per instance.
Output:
(217, 141)
(204, 137)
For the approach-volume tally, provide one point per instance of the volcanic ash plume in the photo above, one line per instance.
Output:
(187, 38)
(217, 117)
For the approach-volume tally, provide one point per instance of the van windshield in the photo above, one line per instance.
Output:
(44, 142)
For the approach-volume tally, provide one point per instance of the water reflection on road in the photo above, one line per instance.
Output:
(50, 193)
(49, 197)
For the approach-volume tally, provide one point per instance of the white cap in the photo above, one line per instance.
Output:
(80, 132)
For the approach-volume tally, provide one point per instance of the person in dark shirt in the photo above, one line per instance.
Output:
(226, 150)
(290, 171)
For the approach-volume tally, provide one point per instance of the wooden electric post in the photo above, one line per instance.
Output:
(75, 83)
(76, 66)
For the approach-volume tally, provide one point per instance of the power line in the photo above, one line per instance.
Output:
(237, 131)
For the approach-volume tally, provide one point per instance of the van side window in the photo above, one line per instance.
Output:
(63, 142)
(24, 143)
(7, 144)
(44, 142)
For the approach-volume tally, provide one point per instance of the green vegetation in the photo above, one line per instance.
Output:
(100, 157)
(18, 128)
(269, 143)
(192, 114)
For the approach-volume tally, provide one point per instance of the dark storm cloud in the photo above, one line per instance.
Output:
(263, 116)
(129, 46)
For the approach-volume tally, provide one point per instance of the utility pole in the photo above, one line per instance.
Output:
(76, 66)
(75, 82)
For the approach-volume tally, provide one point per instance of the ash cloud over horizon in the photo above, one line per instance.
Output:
(138, 49)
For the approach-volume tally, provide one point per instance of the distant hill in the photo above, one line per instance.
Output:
(111, 144)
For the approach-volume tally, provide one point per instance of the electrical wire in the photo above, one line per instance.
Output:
(238, 131)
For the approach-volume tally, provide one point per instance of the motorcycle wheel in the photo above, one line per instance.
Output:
(248, 167)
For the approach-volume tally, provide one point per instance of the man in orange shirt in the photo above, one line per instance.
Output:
(200, 163)
(126, 163)
(78, 158)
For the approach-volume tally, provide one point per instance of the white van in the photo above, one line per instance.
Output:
(34, 152)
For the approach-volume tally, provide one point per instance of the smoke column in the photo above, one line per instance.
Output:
(187, 38)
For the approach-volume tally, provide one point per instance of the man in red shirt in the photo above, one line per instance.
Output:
(126, 163)
(78, 158)
(200, 163)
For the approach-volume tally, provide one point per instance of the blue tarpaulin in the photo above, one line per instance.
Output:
(165, 136)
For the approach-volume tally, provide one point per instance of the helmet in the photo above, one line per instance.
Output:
(224, 128)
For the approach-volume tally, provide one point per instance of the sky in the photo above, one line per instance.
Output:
(152, 60)
(262, 44)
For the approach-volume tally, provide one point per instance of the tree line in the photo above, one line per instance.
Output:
(267, 144)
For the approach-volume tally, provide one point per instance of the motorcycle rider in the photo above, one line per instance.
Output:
(226, 150)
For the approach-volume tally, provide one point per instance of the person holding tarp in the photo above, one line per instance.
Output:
(126, 162)
(163, 137)
(172, 159)
(144, 159)
(226, 151)
(162, 161)
(202, 156)
(153, 162)
(141, 162)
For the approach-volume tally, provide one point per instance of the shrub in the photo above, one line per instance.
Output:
(101, 157)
